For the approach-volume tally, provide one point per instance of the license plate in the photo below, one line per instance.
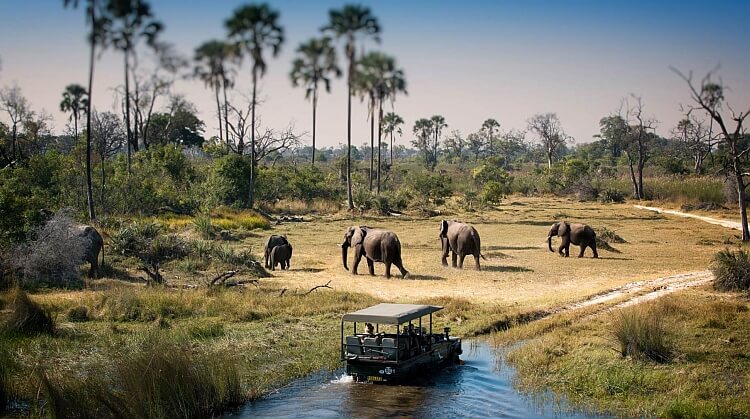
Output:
(374, 378)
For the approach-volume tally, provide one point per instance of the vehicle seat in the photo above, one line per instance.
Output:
(370, 344)
(353, 345)
(389, 347)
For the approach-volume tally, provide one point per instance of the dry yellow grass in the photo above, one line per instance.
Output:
(520, 272)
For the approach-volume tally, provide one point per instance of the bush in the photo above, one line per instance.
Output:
(641, 334)
(229, 181)
(431, 187)
(609, 236)
(144, 242)
(731, 270)
(54, 256)
(78, 314)
(27, 317)
(611, 195)
(203, 226)
(493, 192)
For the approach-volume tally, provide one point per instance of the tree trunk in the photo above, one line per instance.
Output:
(218, 114)
(632, 177)
(89, 191)
(127, 112)
(251, 193)
(391, 148)
(104, 187)
(741, 201)
(549, 160)
(350, 201)
(315, 106)
(380, 140)
(226, 110)
(372, 139)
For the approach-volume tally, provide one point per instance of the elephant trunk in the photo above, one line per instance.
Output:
(549, 243)
(344, 249)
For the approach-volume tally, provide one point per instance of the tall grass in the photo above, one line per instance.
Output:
(641, 334)
(685, 189)
(6, 366)
(27, 317)
(228, 218)
(731, 270)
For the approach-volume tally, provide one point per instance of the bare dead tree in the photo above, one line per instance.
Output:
(640, 132)
(698, 138)
(269, 141)
(709, 98)
(549, 131)
(15, 105)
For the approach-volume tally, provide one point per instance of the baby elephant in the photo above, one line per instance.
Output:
(578, 234)
(272, 242)
(460, 239)
(281, 255)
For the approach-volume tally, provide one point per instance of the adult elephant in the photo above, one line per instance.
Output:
(272, 242)
(460, 239)
(93, 244)
(376, 245)
(575, 233)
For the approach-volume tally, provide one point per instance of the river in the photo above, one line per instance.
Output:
(481, 387)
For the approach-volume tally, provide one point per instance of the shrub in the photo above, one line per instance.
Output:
(27, 317)
(611, 195)
(203, 226)
(432, 187)
(731, 270)
(493, 192)
(78, 314)
(54, 256)
(609, 236)
(144, 242)
(641, 334)
(229, 181)
(363, 199)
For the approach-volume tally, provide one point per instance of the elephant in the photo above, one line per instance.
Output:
(281, 255)
(578, 234)
(93, 244)
(376, 245)
(272, 242)
(461, 239)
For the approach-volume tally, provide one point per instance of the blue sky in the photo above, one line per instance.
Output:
(467, 61)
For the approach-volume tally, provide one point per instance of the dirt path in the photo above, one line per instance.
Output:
(724, 223)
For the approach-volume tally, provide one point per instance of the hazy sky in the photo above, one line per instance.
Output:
(467, 60)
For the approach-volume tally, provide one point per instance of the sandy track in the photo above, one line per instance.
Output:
(724, 223)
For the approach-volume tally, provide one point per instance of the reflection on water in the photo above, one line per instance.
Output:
(482, 387)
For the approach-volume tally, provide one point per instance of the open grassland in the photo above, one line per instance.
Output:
(258, 337)
(702, 370)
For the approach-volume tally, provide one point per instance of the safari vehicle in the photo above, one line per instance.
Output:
(403, 351)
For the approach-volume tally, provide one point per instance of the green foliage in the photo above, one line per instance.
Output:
(203, 226)
(432, 187)
(731, 270)
(685, 189)
(611, 195)
(78, 314)
(641, 334)
(229, 181)
(494, 191)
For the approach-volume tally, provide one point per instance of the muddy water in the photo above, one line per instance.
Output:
(481, 387)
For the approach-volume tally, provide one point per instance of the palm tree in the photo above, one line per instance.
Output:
(384, 81)
(364, 86)
(212, 67)
(316, 60)
(438, 123)
(75, 100)
(392, 122)
(130, 20)
(255, 28)
(349, 23)
(423, 130)
(96, 36)
(489, 126)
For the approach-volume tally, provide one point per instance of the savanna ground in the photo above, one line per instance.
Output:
(261, 336)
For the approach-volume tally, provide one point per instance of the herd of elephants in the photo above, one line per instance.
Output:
(457, 238)
(380, 245)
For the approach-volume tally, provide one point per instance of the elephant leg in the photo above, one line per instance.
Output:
(583, 249)
(476, 259)
(461, 261)
(400, 265)
(445, 250)
(453, 259)
(357, 258)
(388, 270)
(371, 266)
(593, 247)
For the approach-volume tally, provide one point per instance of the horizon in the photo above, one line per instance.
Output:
(490, 60)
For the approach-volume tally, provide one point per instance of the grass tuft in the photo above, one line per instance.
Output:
(78, 314)
(641, 334)
(731, 270)
(27, 317)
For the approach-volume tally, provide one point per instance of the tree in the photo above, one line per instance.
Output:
(75, 100)
(438, 123)
(549, 132)
(697, 137)
(315, 63)
(392, 123)
(423, 130)
(180, 125)
(96, 37)
(475, 144)
(127, 21)
(255, 28)
(13, 103)
(212, 66)
(709, 98)
(350, 23)
(613, 130)
(454, 145)
(640, 133)
(108, 135)
(488, 128)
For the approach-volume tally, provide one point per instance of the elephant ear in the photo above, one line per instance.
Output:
(564, 229)
(443, 228)
(359, 236)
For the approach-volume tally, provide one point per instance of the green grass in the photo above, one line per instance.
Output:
(706, 375)
(641, 334)
(732, 270)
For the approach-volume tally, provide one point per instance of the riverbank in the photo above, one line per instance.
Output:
(266, 333)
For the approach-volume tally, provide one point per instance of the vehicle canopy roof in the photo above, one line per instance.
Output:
(387, 313)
